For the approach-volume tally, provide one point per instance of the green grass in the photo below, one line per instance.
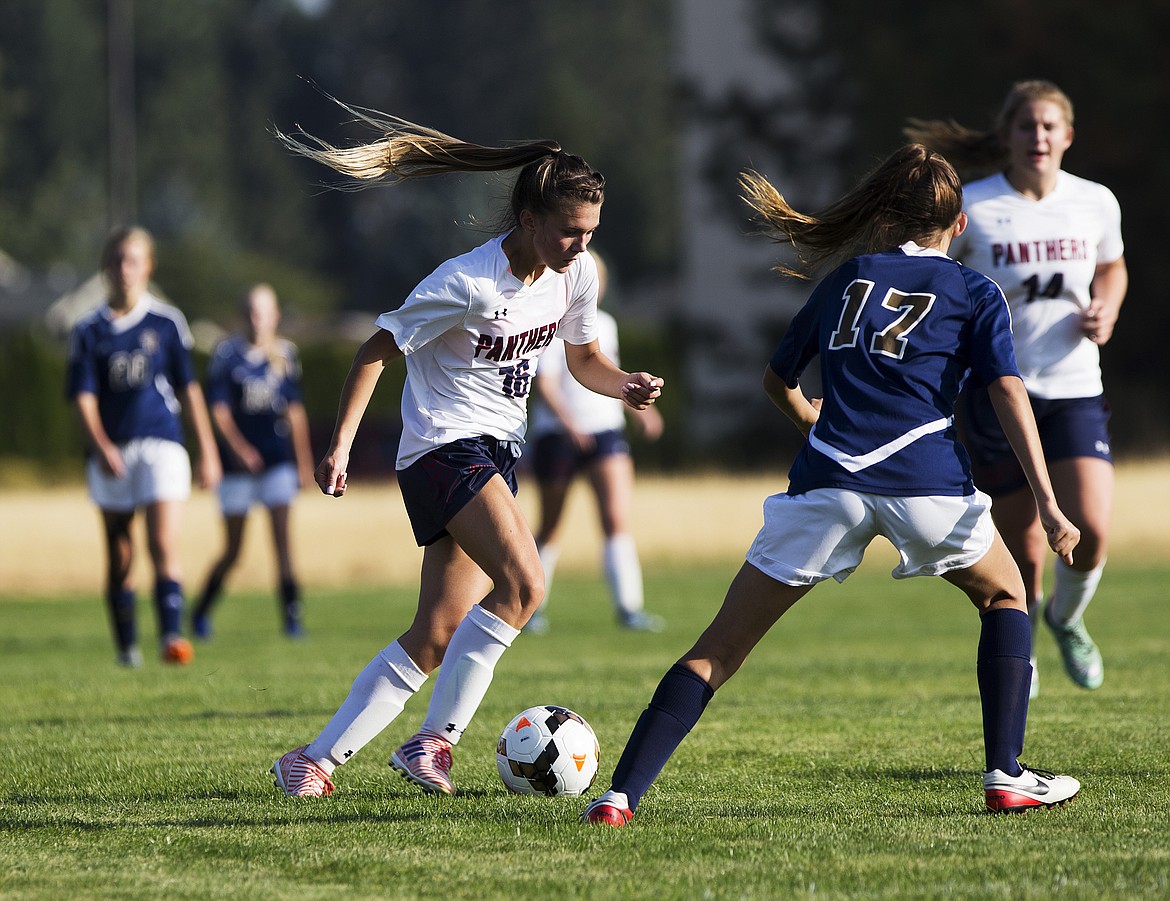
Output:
(842, 762)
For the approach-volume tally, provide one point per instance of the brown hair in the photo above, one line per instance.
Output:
(550, 180)
(977, 153)
(121, 235)
(912, 196)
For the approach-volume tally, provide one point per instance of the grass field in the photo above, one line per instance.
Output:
(843, 762)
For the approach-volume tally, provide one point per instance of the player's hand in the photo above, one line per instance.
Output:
(649, 423)
(210, 471)
(642, 390)
(1098, 321)
(331, 474)
(250, 458)
(1062, 535)
(110, 458)
(583, 442)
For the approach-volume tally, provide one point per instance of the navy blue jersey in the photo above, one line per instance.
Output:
(257, 386)
(132, 364)
(897, 333)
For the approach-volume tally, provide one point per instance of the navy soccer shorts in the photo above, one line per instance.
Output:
(1069, 427)
(556, 459)
(440, 484)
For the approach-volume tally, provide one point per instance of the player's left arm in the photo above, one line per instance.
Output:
(597, 372)
(1110, 282)
(195, 409)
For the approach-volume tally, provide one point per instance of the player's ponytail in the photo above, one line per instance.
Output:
(550, 179)
(912, 196)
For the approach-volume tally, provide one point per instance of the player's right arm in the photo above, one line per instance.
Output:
(1014, 411)
(241, 448)
(792, 402)
(109, 456)
(368, 363)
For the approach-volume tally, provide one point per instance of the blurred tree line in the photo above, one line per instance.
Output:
(229, 207)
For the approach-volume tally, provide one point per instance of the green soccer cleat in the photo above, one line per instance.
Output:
(1082, 659)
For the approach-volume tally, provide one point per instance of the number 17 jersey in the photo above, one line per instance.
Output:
(897, 334)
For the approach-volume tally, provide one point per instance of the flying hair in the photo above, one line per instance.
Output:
(913, 195)
(977, 153)
(550, 179)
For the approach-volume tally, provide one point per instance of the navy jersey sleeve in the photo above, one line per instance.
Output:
(82, 374)
(180, 368)
(217, 384)
(992, 351)
(801, 343)
(291, 383)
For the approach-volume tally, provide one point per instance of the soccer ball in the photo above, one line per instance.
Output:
(547, 750)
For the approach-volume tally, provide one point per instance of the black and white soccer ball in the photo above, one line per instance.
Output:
(547, 750)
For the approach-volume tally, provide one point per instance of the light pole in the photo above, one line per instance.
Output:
(123, 142)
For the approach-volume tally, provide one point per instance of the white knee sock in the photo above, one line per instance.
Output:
(378, 695)
(623, 572)
(466, 672)
(549, 554)
(1071, 592)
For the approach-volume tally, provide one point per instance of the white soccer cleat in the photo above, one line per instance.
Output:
(300, 776)
(1031, 790)
(425, 760)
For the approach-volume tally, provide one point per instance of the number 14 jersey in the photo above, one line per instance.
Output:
(1043, 254)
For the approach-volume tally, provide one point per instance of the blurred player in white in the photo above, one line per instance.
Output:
(576, 430)
(130, 374)
(254, 391)
(471, 333)
(1053, 242)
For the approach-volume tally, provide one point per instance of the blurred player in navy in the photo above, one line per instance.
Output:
(254, 392)
(574, 430)
(129, 375)
(471, 333)
(1052, 241)
(897, 328)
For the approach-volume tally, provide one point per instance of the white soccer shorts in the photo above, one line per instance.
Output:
(156, 470)
(823, 534)
(274, 487)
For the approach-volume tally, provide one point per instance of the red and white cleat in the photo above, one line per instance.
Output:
(611, 809)
(1031, 790)
(425, 760)
(301, 777)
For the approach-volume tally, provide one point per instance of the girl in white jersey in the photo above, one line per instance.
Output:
(471, 333)
(1053, 243)
(576, 430)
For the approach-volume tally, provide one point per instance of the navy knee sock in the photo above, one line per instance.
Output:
(1005, 675)
(290, 602)
(677, 704)
(121, 604)
(168, 603)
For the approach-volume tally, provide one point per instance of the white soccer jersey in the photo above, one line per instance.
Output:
(589, 411)
(1043, 254)
(472, 333)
